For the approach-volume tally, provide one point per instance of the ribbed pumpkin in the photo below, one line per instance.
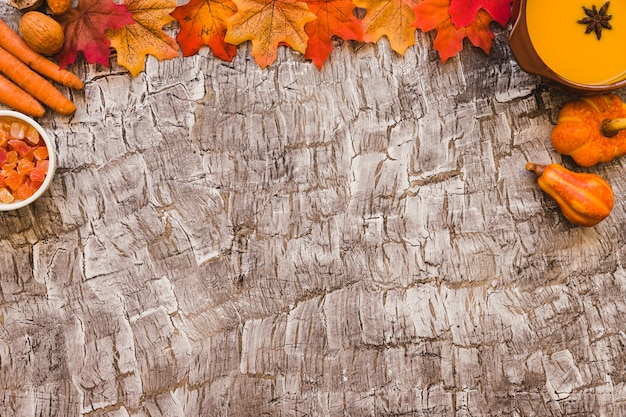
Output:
(59, 7)
(585, 199)
(590, 129)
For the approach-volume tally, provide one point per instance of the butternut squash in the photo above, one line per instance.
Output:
(585, 199)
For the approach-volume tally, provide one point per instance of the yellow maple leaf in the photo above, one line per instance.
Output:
(390, 18)
(146, 36)
(268, 24)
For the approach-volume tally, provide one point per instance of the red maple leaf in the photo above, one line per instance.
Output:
(84, 28)
(435, 15)
(334, 18)
(463, 12)
(203, 22)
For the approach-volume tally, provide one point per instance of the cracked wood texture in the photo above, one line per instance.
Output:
(222, 240)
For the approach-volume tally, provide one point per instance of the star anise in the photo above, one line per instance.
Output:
(596, 20)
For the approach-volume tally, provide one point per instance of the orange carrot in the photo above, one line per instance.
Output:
(18, 99)
(34, 84)
(12, 42)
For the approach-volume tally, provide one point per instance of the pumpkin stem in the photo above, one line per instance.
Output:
(611, 127)
(536, 168)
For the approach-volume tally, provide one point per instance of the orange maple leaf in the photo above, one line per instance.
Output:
(435, 15)
(146, 36)
(479, 33)
(334, 18)
(390, 18)
(203, 22)
(268, 24)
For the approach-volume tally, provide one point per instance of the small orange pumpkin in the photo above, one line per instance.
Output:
(585, 199)
(590, 129)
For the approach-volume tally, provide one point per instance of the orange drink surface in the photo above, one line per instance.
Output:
(562, 44)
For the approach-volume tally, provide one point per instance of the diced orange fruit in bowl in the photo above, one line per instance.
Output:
(24, 160)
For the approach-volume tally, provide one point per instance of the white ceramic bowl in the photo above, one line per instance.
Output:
(51, 157)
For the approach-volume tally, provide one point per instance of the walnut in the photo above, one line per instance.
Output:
(42, 33)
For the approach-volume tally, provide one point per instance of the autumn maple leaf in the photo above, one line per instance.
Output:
(203, 22)
(334, 18)
(268, 24)
(435, 15)
(146, 36)
(84, 27)
(390, 18)
(463, 12)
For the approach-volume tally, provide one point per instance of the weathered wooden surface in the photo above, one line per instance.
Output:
(222, 240)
